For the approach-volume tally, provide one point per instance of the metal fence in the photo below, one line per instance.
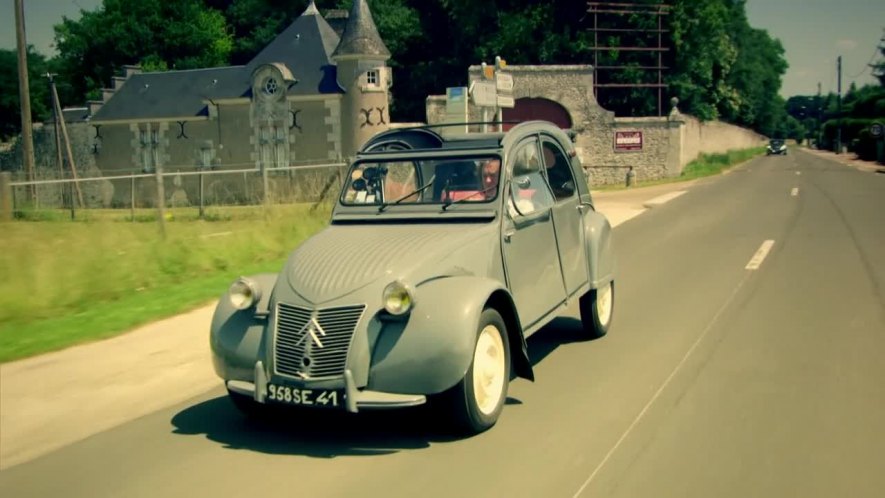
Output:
(197, 189)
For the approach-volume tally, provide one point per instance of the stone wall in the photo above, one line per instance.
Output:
(714, 137)
(95, 193)
(653, 161)
(668, 143)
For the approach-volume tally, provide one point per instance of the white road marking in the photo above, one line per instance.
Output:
(760, 255)
(794, 192)
(660, 390)
(662, 199)
(620, 215)
(798, 173)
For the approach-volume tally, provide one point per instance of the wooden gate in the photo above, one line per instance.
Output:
(529, 108)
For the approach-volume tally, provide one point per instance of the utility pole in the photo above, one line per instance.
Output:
(839, 105)
(820, 117)
(60, 125)
(25, 98)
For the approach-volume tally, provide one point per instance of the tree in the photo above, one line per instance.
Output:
(158, 35)
(720, 67)
(879, 67)
(10, 109)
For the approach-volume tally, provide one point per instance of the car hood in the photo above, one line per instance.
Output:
(345, 258)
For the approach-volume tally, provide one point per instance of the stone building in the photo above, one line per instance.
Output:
(608, 145)
(309, 97)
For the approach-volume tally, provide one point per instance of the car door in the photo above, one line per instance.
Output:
(531, 258)
(567, 217)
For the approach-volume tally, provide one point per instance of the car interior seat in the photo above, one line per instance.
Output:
(461, 178)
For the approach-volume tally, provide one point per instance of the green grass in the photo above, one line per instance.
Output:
(713, 164)
(705, 165)
(67, 283)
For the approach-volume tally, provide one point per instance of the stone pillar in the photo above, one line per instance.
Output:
(676, 146)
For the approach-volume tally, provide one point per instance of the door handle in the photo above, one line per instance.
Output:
(508, 234)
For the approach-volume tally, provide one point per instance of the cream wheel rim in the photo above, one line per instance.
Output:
(604, 304)
(488, 369)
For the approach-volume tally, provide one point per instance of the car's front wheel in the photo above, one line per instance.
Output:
(597, 308)
(477, 400)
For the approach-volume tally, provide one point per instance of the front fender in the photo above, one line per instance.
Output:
(601, 255)
(431, 350)
(237, 337)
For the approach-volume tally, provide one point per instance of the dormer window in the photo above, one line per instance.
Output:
(271, 86)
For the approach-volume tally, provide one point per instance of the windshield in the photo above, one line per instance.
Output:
(426, 181)
(776, 143)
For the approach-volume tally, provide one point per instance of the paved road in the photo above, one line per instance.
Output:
(716, 379)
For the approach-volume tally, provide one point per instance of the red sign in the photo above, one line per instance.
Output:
(628, 141)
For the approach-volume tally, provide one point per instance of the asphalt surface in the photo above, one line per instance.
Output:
(715, 379)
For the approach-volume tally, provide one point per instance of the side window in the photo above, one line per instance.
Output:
(528, 189)
(559, 171)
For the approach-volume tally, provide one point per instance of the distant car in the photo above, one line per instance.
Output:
(437, 265)
(776, 146)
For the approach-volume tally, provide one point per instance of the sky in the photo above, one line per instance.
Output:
(813, 33)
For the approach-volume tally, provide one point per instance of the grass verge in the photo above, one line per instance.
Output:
(705, 165)
(70, 283)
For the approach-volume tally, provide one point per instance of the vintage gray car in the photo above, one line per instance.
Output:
(436, 266)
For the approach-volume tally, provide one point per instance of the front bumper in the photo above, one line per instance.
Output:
(354, 399)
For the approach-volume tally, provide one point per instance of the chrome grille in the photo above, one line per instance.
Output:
(314, 343)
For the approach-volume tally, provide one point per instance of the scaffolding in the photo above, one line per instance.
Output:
(603, 11)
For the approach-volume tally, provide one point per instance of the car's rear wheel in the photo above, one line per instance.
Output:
(477, 400)
(597, 308)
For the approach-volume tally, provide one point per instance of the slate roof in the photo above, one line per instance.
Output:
(173, 94)
(305, 48)
(360, 34)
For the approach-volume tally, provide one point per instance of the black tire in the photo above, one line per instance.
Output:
(596, 321)
(467, 415)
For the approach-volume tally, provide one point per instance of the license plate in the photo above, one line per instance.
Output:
(287, 395)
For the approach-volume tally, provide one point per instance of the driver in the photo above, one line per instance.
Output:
(491, 171)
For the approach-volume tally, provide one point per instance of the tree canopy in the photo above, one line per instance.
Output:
(156, 34)
(718, 65)
(10, 110)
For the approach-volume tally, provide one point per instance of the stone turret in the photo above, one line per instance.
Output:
(361, 58)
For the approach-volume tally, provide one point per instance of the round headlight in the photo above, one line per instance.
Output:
(398, 298)
(244, 293)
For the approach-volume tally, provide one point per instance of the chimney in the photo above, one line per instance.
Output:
(131, 70)
(94, 106)
(106, 94)
(118, 82)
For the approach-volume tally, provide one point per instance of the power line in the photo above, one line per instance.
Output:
(867, 65)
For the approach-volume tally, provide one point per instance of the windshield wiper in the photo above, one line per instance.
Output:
(468, 197)
(422, 188)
